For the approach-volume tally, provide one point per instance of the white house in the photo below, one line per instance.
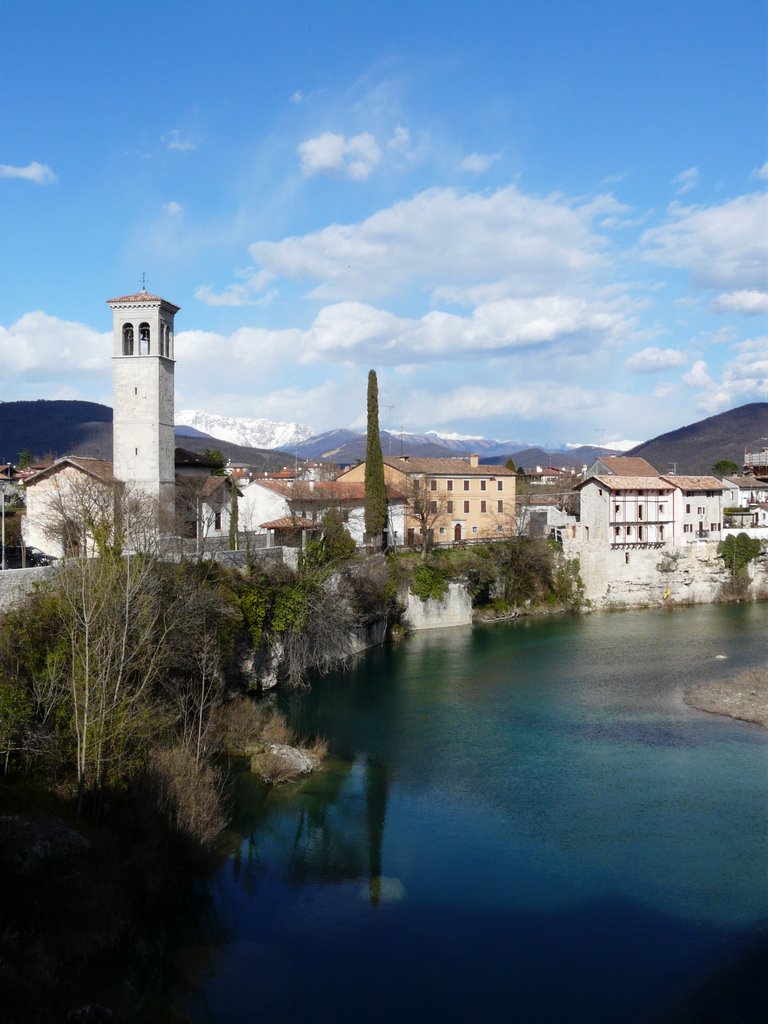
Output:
(646, 511)
(288, 509)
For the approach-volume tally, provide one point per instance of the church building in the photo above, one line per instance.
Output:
(145, 461)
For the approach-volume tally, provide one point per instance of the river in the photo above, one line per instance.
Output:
(520, 822)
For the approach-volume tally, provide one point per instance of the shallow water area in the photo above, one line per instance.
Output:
(517, 822)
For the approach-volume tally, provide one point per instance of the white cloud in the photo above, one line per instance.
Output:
(330, 153)
(743, 379)
(40, 174)
(176, 141)
(750, 302)
(478, 163)
(761, 172)
(252, 291)
(723, 246)
(686, 181)
(353, 332)
(297, 97)
(698, 375)
(401, 139)
(173, 208)
(446, 238)
(42, 347)
(654, 360)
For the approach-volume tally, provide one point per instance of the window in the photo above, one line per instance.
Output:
(600, 491)
(449, 507)
(661, 531)
(617, 507)
(466, 485)
(474, 529)
(714, 527)
(688, 509)
(483, 506)
(499, 506)
(499, 485)
(433, 485)
(128, 339)
(629, 531)
(433, 507)
(700, 510)
(626, 557)
(449, 485)
(144, 339)
(687, 527)
(466, 506)
(639, 511)
(639, 533)
(616, 531)
(217, 520)
(442, 529)
(483, 485)
(661, 508)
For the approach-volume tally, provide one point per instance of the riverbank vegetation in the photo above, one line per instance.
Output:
(126, 683)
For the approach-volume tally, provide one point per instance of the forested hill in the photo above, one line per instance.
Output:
(56, 428)
(695, 448)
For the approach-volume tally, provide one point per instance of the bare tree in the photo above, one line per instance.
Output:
(427, 507)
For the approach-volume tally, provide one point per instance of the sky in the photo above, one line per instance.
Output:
(537, 221)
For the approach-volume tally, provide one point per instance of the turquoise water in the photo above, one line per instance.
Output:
(519, 823)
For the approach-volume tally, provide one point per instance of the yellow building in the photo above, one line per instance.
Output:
(450, 499)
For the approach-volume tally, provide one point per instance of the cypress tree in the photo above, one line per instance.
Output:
(375, 488)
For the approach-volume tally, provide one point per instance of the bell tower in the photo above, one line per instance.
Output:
(143, 362)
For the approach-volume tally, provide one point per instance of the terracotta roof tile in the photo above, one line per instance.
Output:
(290, 523)
(629, 483)
(695, 483)
(141, 297)
(444, 467)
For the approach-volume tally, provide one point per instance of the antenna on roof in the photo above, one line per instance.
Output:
(389, 418)
(143, 281)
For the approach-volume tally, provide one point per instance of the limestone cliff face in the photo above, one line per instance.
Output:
(455, 609)
(689, 574)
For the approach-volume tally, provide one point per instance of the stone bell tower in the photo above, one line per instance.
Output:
(143, 443)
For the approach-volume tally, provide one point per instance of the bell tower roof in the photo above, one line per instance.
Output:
(142, 298)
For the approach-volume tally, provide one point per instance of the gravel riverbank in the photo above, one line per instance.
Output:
(744, 696)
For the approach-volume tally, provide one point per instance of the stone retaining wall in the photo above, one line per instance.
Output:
(15, 584)
(686, 574)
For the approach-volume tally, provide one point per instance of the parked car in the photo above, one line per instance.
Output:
(34, 556)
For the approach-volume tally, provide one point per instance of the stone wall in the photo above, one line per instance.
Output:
(15, 584)
(685, 574)
(455, 609)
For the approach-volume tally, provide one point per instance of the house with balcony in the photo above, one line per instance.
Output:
(645, 511)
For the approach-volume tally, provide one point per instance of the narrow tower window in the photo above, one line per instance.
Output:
(144, 339)
(128, 339)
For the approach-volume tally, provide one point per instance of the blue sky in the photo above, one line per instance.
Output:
(540, 221)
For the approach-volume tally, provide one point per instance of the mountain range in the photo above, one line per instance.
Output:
(71, 427)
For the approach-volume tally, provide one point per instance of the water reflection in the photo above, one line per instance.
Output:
(504, 809)
(328, 829)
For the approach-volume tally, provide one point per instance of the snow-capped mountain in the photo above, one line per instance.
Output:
(252, 433)
(614, 446)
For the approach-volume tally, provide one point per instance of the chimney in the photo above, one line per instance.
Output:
(474, 461)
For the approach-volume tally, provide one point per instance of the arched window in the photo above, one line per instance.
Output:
(144, 339)
(127, 339)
